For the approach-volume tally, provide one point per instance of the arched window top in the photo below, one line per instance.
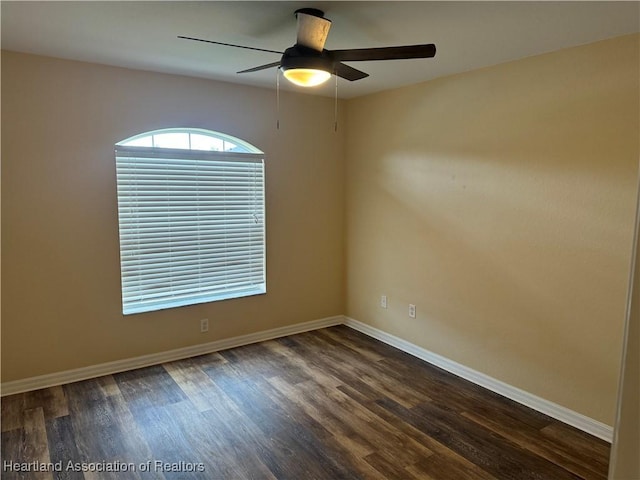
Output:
(190, 139)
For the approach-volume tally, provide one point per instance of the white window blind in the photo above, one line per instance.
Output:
(191, 226)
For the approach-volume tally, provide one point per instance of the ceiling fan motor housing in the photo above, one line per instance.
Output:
(299, 56)
(310, 11)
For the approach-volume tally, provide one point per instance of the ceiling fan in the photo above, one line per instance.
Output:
(308, 63)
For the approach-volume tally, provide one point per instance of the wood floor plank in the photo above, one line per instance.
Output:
(241, 437)
(258, 362)
(444, 467)
(36, 439)
(27, 445)
(573, 438)
(240, 446)
(360, 348)
(296, 450)
(388, 468)
(12, 407)
(331, 404)
(347, 365)
(150, 386)
(105, 430)
(170, 440)
(533, 440)
(11, 446)
(287, 349)
(63, 448)
(347, 440)
(458, 394)
(343, 432)
(193, 382)
(421, 437)
(343, 448)
(361, 424)
(132, 444)
(108, 385)
(91, 414)
(454, 391)
(491, 452)
(378, 460)
(52, 400)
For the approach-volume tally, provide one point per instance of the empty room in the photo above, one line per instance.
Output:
(320, 240)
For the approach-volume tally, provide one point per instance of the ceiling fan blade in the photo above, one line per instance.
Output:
(313, 28)
(261, 67)
(228, 44)
(348, 73)
(384, 53)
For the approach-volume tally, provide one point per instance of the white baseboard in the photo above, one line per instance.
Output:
(554, 410)
(75, 375)
(565, 415)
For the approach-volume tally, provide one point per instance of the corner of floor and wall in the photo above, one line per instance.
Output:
(499, 202)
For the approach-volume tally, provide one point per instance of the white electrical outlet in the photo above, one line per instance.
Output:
(204, 325)
(383, 301)
(412, 311)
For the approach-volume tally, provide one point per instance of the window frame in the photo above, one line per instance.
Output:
(246, 155)
(245, 147)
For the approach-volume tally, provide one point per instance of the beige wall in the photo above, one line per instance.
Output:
(61, 286)
(501, 203)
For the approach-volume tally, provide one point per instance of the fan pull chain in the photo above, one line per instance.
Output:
(277, 99)
(335, 109)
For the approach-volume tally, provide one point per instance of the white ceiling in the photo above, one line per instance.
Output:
(468, 35)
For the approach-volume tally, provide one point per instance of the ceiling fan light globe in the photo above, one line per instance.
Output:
(306, 77)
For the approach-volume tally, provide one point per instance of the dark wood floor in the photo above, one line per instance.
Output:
(329, 404)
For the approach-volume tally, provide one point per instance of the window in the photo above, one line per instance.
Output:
(191, 218)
